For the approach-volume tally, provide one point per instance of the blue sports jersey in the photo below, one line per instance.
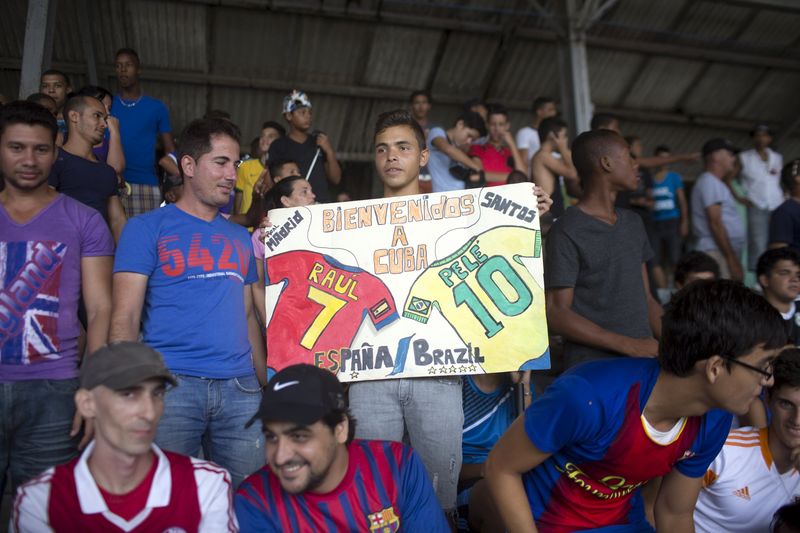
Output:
(590, 419)
(486, 417)
(385, 489)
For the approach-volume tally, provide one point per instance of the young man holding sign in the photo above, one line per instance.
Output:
(428, 409)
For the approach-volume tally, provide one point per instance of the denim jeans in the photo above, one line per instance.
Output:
(211, 414)
(35, 419)
(429, 410)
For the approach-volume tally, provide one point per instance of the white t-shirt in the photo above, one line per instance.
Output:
(528, 139)
(762, 179)
(742, 488)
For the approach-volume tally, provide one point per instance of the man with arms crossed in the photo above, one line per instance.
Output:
(124, 482)
(580, 453)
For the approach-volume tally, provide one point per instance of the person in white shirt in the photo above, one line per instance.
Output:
(528, 137)
(761, 175)
(756, 471)
(122, 481)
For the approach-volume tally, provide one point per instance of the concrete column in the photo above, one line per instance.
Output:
(37, 52)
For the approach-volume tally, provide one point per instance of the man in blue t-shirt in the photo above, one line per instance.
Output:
(670, 219)
(184, 271)
(142, 119)
(578, 457)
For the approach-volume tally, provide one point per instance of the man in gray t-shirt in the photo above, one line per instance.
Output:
(717, 227)
(596, 286)
(449, 147)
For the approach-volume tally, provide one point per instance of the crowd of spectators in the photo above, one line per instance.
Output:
(135, 391)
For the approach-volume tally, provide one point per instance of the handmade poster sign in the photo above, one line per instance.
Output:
(426, 285)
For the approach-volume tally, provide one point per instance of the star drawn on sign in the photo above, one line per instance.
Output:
(472, 368)
(353, 375)
(443, 370)
(453, 369)
(432, 370)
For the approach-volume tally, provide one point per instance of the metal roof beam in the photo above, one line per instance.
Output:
(676, 49)
(777, 5)
(352, 91)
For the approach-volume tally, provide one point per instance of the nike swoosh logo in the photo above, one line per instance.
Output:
(279, 386)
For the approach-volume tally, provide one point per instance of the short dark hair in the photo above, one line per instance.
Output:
(336, 417)
(661, 148)
(167, 182)
(602, 121)
(788, 515)
(128, 52)
(55, 72)
(693, 262)
(421, 92)
(217, 113)
(284, 187)
(786, 369)
(542, 101)
(275, 126)
(770, 258)
(789, 174)
(517, 176)
(399, 117)
(550, 125)
(37, 98)
(473, 121)
(496, 109)
(195, 140)
(29, 114)
(95, 91)
(278, 163)
(76, 102)
(472, 102)
(716, 317)
(630, 139)
(589, 147)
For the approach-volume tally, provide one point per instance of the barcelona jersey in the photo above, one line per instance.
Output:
(321, 306)
(591, 421)
(385, 489)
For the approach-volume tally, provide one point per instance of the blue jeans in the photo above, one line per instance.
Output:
(211, 413)
(429, 410)
(35, 419)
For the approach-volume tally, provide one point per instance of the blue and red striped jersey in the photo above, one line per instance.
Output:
(385, 489)
(591, 421)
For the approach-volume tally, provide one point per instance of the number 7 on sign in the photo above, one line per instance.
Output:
(330, 306)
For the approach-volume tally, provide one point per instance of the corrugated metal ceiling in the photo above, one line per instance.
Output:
(361, 57)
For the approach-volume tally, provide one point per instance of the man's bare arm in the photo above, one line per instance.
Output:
(563, 320)
(96, 291)
(512, 456)
(720, 234)
(128, 299)
(116, 217)
(441, 144)
(675, 503)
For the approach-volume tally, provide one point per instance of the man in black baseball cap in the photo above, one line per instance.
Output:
(319, 478)
(122, 480)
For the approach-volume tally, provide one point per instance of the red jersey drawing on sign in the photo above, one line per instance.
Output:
(321, 306)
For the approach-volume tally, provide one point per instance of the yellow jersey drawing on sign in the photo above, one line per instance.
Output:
(488, 295)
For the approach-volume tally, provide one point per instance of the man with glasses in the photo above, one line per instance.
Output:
(581, 452)
(756, 473)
